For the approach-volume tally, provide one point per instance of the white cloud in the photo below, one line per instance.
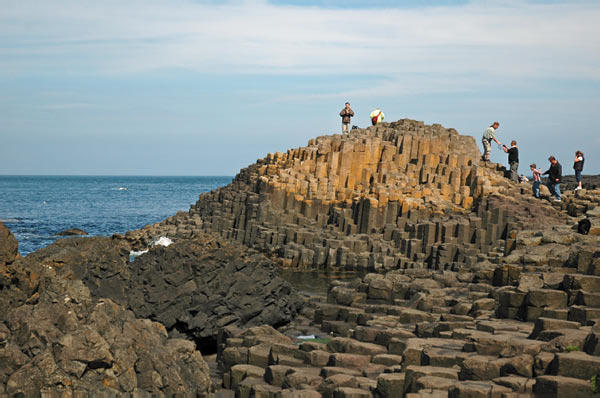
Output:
(509, 39)
(67, 106)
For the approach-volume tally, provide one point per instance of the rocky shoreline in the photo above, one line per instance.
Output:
(471, 287)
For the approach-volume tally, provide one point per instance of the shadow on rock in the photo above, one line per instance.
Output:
(196, 287)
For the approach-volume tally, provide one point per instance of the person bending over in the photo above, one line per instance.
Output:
(554, 176)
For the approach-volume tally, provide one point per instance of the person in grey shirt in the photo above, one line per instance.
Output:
(486, 140)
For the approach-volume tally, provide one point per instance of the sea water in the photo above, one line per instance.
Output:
(36, 208)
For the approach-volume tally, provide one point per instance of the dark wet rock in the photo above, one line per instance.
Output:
(100, 262)
(72, 232)
(193, 287)
(196, 287)
(9, 247)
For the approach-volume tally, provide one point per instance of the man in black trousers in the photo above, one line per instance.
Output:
(513, 160)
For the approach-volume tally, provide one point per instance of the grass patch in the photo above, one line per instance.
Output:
(595, 384)
(571, 348)
(323, 340)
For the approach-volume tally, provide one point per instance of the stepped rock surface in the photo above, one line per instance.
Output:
(467, 286)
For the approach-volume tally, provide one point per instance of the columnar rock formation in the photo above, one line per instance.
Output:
(398, 195)
(475, 289)
(525, 326)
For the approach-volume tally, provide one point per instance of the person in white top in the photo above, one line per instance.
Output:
(376, 116)
(578, 167)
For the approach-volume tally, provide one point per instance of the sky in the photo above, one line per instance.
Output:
(192, 87)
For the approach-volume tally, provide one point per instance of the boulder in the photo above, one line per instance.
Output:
(72, 232)
(67, 339)
(559, 386)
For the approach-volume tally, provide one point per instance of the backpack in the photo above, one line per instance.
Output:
(583, 226)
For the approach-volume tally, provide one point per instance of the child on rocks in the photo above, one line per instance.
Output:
(537, 179)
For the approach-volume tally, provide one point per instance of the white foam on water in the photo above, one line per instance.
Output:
(120, 189)
(133, 254)
(162, 241)
(11, 220)
(307, 337)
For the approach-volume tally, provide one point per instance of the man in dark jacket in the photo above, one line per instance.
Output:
(346, 114)
(554, 177)
(513, 160)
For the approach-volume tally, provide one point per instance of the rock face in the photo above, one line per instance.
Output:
(193, 287)
(57, 339)
(198, 286)
(9, 247)
(66, 327)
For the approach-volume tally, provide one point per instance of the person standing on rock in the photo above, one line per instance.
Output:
(346, 114)
(513, 159)
(537, 179)
(578, 167)
(376, 116)
(554, 177)
(486, 140)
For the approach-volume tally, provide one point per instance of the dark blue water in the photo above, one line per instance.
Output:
(35, 208)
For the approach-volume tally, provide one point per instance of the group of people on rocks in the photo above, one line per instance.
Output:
(554, 172)
(346, 113)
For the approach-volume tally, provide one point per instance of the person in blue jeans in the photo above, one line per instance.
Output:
(554, 176)
(537, 179)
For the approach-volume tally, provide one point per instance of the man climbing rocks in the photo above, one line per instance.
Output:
(376, 116)
(488, 136)
(346, 114)
(554, 177)
(513, 160)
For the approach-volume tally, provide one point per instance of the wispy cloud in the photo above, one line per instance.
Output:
(68, 106)
(509, 39)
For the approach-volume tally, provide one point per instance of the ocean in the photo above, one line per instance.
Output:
(35, 208)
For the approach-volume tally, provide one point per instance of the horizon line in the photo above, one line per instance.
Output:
(114, 175)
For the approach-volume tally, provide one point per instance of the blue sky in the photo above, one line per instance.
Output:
(188, 87)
